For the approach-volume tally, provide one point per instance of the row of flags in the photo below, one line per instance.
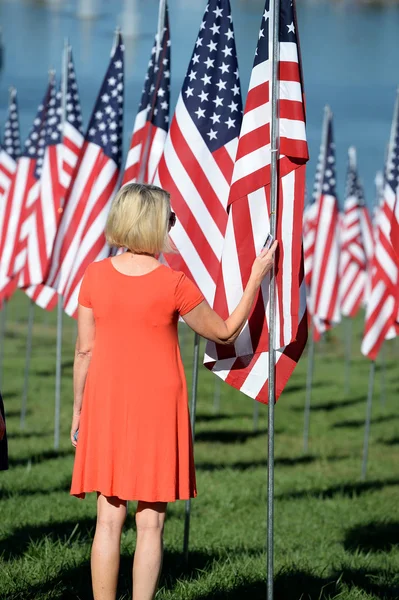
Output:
(352, 259)
(214, 158)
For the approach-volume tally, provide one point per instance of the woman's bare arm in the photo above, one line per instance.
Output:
(83, 352)
(205, 321)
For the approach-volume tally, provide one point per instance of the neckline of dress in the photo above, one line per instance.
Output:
(133, 276)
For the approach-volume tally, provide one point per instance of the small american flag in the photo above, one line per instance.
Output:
(63, 144)
(19, 251)
(383, 306)
(152, 120)
(80, 238)
(198, 160)
(245, 366)
(353, 259)
(324, 301)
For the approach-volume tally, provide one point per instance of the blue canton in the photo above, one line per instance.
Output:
(156, 93)
(392, 168)
(211, 90)
(287, 29)
(329, 174)
(53, 124)
(73, 113)
(35, 144)
(106, 123)
(12, 142)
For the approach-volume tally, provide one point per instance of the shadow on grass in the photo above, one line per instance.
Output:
(292, 389)
(13, 414)
(350, 490)
(39, 457)
(352, 424)
(333, 405)
(16, 435)
(392, 442)
(6, 494)
(221, 417)
(51, 372)
(228, 436)
(373, 537)
(245, 465)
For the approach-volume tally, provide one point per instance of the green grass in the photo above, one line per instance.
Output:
(335, 536)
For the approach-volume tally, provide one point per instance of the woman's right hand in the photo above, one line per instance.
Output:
(263, 264)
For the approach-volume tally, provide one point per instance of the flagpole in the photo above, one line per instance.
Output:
(161, 21)
(194, 390)
(309, 382)
(60, 307)
(274, 138)
(368, 421)
(24, 404)
(3, 321)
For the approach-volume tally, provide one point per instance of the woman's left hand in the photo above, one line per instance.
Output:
(2, 427)
(74, 428)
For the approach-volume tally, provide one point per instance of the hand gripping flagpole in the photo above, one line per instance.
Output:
(60, 307)
(275, 144)
(194, 389)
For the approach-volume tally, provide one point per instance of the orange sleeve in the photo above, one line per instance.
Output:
(85, 290)
(187, 295)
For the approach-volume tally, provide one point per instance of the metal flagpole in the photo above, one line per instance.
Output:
(194, 389)
(3, 321)
(348, 354)
(31, 315)
(383, 366)
(60, 307)
(368, 421)
(274, 138)
(309, 382)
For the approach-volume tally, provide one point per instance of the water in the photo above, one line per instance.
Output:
(350, 57)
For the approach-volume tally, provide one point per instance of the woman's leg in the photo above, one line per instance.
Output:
(105, 552)
(150, 519)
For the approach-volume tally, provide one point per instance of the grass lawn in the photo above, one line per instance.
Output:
(335, 536)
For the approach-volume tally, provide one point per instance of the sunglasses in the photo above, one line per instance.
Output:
(172, 219)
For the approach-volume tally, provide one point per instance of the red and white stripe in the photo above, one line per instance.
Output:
(245, 366)
(309, 236)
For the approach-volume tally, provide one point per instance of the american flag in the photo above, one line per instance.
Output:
(63, 143)
(9, 154)
(353, 259)
(324, 301)
(198, 160)
(18, 252)
(152, 120)
(245, 366)
(80, 238)
(382, 308)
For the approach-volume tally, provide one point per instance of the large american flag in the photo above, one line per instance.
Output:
(245, 366)
(63, 143)
(198, 160)
(80, 238)
(383, 305)
(324, 300)
(353, 259)
(10, 150)
(18, 251)
(152, 120)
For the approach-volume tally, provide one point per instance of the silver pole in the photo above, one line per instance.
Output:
(161, 21)
(309, 383)
(275, 145)
(216, 395)
(3, 322)
(348, 354)
(368, 421)
(256, 416)
(31, 315)
(383, 366)
(194, 389)
(57, 410)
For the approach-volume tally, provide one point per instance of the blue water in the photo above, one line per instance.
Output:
(350, 59)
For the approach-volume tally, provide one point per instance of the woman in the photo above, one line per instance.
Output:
(130, 416)
(3, 439)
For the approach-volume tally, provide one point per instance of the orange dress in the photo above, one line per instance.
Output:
(134, 436)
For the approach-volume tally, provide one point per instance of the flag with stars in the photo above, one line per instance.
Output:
(382, 312)
(245, 365)
(324, 298)
(17, 245)
(63, 143)
(152, 120)
(10, 151)
(80, 237)
(353, 258)
(198, 160)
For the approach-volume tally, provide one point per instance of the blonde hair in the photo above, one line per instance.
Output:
(139, 219)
